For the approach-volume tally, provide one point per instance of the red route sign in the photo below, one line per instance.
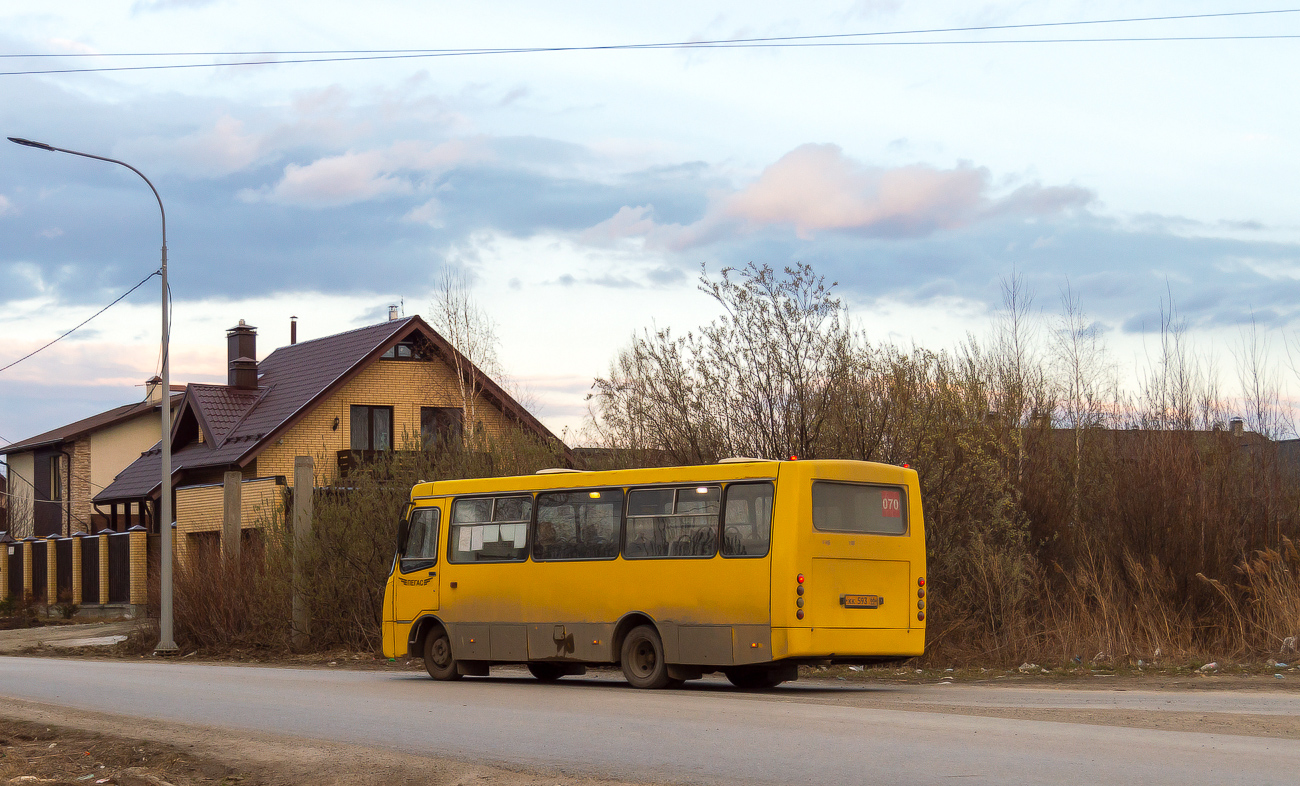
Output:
(891, 503)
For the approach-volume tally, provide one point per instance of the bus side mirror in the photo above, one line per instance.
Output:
(403, 532)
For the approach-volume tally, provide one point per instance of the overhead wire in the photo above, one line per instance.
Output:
(823, 40)
(81, 325)
(701, 42)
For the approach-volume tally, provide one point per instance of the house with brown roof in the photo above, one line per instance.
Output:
(339, 399)
(52, 477)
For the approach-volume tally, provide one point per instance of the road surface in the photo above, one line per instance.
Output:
(810, 732)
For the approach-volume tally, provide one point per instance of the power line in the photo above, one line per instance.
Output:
(828, 40)
(799, 45)
(672, 44)
(83, 324)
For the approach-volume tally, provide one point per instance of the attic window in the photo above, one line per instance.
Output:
(404, 351)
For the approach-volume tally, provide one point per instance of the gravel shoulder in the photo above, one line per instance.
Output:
(65, 745)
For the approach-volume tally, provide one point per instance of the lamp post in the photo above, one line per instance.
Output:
(166, 643)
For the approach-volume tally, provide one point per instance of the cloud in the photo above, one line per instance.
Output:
(354, 177)
(815, 189)
(5, 205)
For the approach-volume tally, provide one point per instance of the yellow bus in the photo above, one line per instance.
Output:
(748, 567)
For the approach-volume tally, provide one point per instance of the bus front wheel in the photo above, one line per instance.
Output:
(643, 659)
(437, 655)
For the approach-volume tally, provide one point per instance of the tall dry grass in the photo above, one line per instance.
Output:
(1066, 518)
(224, 605)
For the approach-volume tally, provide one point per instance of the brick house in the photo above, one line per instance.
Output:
(53, 477)
(338, 399)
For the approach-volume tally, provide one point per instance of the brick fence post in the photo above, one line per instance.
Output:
(103, 564)
(76, 567)
(139, 545)
(27, 565)
(5, 545)
(51, 570)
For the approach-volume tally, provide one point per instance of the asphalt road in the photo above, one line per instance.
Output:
(806, 733)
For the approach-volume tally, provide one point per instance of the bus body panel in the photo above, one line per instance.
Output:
(711, 612)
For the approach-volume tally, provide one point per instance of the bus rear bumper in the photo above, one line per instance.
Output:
(847, 643)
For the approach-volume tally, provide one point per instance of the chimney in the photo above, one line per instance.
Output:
(392, 312)
(153, 390)
(241, 356)
(1238, 426)
(293, 330)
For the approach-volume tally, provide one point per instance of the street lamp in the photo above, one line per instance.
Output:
(166, 644)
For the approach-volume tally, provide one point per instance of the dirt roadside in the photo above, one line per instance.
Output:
(73, 747)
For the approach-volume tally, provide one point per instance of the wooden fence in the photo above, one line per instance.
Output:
(105, 569)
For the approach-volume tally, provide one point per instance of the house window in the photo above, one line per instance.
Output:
(440, 426)
(372, 428)
(56, 479)
(403, 351)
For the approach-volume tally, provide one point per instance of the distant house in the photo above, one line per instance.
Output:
(338, 399)
(53, 476)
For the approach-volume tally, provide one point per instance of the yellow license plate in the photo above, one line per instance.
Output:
(861, 601)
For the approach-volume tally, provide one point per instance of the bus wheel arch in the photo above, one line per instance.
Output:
(633, 619)
(433, 643)
(421, 628)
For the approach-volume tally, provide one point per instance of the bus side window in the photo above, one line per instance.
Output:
(421, 540)
(680, 522)
(747, 520)
(490, 529)
(578, 524)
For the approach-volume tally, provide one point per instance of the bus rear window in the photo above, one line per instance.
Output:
(850, 507)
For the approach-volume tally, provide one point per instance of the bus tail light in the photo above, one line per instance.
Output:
(920, 582)
(799, 614)
(920, 616)
(799, 578)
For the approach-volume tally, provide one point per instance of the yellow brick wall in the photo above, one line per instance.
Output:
(404, 385)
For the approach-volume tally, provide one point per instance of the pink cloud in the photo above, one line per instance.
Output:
(816, 188)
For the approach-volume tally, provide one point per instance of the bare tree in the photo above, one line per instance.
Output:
(1086, 381)
(1260, 387)
(457, 316)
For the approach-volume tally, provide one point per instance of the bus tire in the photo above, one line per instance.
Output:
(547, 672)
(438, 660)
(755, 679)
(643, 659)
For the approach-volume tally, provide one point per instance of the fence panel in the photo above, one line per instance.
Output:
(40, 569)
(16, 570)
(119, 568)
(63, 567)
(90, 569)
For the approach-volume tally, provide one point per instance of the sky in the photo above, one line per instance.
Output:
(582, 193)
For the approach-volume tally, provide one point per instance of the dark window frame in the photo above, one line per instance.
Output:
(622, 525)
(453, 434)
(904, 511)
(395, 352)
(674, 487)
(370, 426)
(722, 519)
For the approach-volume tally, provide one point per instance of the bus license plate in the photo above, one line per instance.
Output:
(860, 601)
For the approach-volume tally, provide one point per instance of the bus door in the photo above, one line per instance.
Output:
(417, 566)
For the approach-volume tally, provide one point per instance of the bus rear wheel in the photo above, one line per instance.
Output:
(547, 672)
(437, 655)
(755, 678)
(643, 659)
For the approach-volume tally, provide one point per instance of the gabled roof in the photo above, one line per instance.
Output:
(86, 425)
(292, 380)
